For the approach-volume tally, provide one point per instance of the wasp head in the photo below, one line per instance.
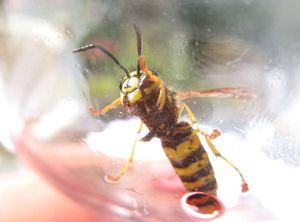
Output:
(130, 84)
(130, 88)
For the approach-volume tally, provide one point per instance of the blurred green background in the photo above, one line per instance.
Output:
(191, 44)
(182, 39)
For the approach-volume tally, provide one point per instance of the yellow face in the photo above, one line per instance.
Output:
(130, 92)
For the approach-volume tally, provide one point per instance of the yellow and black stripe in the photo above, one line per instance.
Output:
(189, 159)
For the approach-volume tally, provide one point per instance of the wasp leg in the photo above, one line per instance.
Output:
(191, 115)
(208, 138)
(111, 106)
(161, 99)
(125, 168)
(141, 127)
(244, 184)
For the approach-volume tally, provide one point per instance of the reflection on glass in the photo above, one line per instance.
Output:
(45, 97)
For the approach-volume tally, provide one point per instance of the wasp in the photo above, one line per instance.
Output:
(144, 94)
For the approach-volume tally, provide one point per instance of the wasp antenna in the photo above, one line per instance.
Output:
(105, 51)
(138, 38)
(139, 44)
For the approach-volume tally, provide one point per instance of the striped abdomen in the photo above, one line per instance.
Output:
(189, 159)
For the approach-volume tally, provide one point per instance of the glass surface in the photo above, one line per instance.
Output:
(46, 90)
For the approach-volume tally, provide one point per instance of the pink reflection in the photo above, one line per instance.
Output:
(150, 191)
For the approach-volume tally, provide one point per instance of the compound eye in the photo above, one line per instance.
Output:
(130, 84)
(133, 82)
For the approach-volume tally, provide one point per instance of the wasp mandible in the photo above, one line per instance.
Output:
(144, 94)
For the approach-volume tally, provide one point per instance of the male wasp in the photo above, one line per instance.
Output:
(144, 94)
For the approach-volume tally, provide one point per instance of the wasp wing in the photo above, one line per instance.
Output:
(239, 92)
